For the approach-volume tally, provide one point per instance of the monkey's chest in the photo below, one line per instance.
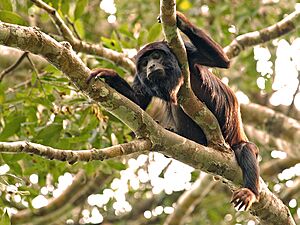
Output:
(173, 118)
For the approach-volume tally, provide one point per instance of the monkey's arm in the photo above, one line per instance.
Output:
(246, 155)
(113, 79)
(203, 50)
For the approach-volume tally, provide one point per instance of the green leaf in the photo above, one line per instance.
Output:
(12, 126)
(154, 32)
(80, 6)
(65, 6)
(79, 26)
(12, 158)
(31, 114)
(110, 43)
(5, 220)
(11, 17)
(6, 5)
(16, 168)
(116, 165)
(118, 46)
(51, 97)
(142, 37)
(54, 3)
(50, 134)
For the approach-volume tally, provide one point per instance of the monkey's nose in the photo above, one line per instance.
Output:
(152, 66)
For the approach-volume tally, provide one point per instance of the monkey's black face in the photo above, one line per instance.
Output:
(159, 73)
(152, 66)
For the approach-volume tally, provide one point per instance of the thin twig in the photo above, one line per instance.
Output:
(82, 46)
(73, 156)
(73, 27)
(14, 66)
(36, 73)
(286, 25)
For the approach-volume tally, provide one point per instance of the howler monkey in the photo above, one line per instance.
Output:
(158, 74)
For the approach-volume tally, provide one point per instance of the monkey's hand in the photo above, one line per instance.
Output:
(109, 75)
(243, 197)
(115, 81)
(182, 21)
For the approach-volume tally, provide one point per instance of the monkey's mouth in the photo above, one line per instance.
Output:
(156, 74)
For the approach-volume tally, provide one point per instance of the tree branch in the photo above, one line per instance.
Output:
(277, 124)
(275, 166)
(73, 156)
(72, 197)
(269, 141)
(291, 192)
(78, 181)
(190, 199)
(82, 46)
(281, 28)
(12, 67)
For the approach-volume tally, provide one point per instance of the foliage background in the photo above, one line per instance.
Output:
(39, 104)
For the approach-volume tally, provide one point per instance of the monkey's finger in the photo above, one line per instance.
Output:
(92, 75)
(235, 196)
(233, 200)
(247, 206)
(236, 204)
(241, 206)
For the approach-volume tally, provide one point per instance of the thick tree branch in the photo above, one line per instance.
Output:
(190, 199)
(281, 28)
(78, 182)
(72, 197)
(277, 124)
(275, 166)
(269, 141)
(82, 46)
(221, 163)
(291, 192)
(140, 206)
(73, 156)
(187, 99)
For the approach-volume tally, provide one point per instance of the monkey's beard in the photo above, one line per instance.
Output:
(156, 75)
(164, 87)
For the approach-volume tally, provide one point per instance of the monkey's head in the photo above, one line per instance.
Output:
(159, 71)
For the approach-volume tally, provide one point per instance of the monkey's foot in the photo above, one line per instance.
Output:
(106, 74)
(243, 197)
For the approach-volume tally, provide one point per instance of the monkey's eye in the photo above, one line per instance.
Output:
(156, 55)
(144, 62)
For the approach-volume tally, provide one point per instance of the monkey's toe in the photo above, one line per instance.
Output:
(243, 197)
